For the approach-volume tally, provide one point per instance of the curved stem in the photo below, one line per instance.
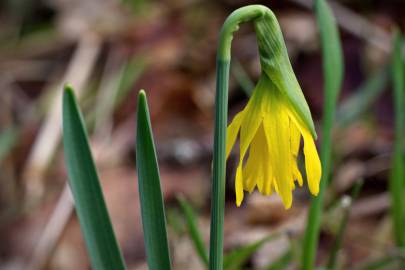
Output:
(231, 25)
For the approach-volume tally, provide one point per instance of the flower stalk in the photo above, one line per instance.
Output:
(221, 115)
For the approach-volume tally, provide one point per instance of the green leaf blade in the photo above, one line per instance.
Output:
(282, 262)
(150, 194)
(396, 183)
(343, 223)
(333, 76)
(237, 258)
(193, 230)
(8, 138)
(360, 102)
(94, 220)
(331, 52)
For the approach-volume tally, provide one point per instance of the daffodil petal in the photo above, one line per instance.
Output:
(257, 170)
(295, 137)
(312, 163)
(232, 132)
(251, 172)
(297, 175)
(239, 186)
(277, 138)
(295, 140)
(250, 124)
(266, 186)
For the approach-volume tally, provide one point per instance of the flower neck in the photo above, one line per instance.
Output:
(241, 15)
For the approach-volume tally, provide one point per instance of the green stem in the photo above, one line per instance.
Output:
(231, 25)
(218, 180)
(241, 15)
(398, 173)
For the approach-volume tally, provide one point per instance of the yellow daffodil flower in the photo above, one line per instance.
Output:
(272, 124)
(270, 130)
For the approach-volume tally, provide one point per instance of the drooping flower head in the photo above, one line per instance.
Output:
(270, 127)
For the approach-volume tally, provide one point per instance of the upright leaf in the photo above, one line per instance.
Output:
(8, 139)
(83, 179)
(331, 53)
(150, 194)
(282, 262)
(363, 98)
(237, 258)
(398, 171)
(193, 230)
(346, 204)
(333, 76)
(385, 263)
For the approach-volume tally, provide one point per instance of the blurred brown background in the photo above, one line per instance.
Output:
(108, 50)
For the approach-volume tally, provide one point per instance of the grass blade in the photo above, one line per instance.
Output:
(381, 263)
(333, 76)
(150, 194)
(398, 173)
(238, 257)
(243, 79)
(193, 230)
(282, 262)
(8, 138)
(83, 179)
(343, 224)
(129, 74)
(364, 96)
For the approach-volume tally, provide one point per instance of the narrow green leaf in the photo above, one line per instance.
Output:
(398, 170)
(242, 77)
(333, 76)
(137, 6)
(331, 52)
(83, 179)
(343, 224)
(363, 98)
(282, 262)
(239, 257)
(193, 230)
(380, 263)
(150, 194)
(174, 219)
(129, 75)
(8, 138)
